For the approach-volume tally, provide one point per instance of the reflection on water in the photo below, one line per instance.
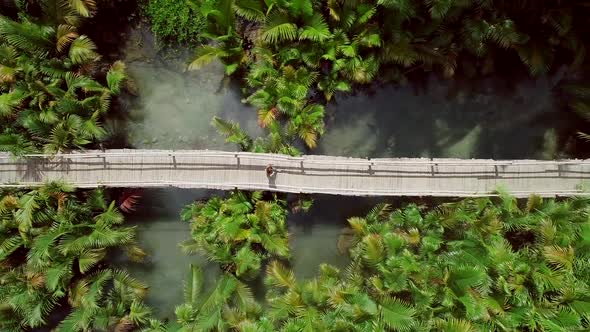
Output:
(314, 235)
(486, 118)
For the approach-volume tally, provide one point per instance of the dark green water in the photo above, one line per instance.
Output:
(481, 118)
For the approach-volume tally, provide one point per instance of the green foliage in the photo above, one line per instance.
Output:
(53, 244)
(489, 264)
(176, 21)
(337, 45)
(475, 265)
(49, 101)
(478, 264)
(277, 141)
(239, 232)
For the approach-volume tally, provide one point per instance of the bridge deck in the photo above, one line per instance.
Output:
(307, 174)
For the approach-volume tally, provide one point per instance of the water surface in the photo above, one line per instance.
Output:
(480, 118)
(174, 107)
(159, 232)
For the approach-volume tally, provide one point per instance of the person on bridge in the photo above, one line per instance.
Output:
(270, 171)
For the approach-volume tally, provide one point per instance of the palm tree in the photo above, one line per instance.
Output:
(331, 302)
(239, 232)
(106, 300)
(53, 244)
(228, 44)
(48, 99)
(476, 264)
(479, 264)
(340, 44)
(277, 141)
(230, 304)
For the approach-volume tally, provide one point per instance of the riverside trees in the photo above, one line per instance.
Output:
(293, 56)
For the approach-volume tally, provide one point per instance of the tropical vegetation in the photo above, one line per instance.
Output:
(477, 264)
(229, 306)
(239, 232)
(291, 53)
(276, 141)
(175, 21)
(489, 264)
(54, 245)
(51, 99)
(486, 264)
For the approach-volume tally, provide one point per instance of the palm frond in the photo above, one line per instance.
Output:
(66, 34)
(249, 9)
(205, 55)
(193, 285)
(316, 29)
(397, 315)
(90, 258)
(83, 7)
(116, 76)
(278, 28)
(233, 132)
(536, 56)
(82, 50)
(278, 276)
(11, 101)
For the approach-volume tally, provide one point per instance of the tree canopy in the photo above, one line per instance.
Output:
(50, 98)
(488, 264)
(54, 244)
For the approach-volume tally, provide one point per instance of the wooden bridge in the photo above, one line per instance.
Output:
(306, 174)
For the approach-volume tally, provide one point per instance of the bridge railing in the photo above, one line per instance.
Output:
(310, 159)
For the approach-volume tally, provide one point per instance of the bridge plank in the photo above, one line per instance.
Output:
(306, 174)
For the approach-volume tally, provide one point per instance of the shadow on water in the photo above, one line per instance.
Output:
(481, 118)
(314, 235)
